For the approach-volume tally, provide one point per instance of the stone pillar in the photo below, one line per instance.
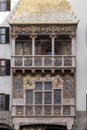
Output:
(73, 44)
(33, 43)
(16, 126)
(70, 123)
(53, 36)
(13, 45)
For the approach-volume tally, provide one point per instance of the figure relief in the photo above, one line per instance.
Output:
(58, 82)
(68, 88)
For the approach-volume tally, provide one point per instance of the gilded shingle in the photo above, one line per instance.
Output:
(43, 11)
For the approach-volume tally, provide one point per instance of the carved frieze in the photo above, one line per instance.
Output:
(44, 29)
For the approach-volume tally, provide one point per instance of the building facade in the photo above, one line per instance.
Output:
(38, 59)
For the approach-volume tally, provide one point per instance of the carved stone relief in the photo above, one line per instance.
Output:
(68, 88)
(66, 110)
(44, 29)
(19, 110)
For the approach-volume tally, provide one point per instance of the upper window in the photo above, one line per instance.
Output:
(4, 35)
(4, 5)
(4, 102)
(4, 67)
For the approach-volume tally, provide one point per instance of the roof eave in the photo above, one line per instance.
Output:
(37, 23)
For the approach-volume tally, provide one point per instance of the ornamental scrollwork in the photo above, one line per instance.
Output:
(44, 29)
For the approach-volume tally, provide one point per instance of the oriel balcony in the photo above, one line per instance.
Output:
(43, 52)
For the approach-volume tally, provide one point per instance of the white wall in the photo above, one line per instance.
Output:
(80, 9)
(5, 49)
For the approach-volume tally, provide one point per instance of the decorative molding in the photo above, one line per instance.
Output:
(44, 29)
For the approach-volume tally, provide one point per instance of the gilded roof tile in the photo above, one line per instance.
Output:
(43, 11)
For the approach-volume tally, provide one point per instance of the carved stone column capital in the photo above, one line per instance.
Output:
(33, 35)
(53, 35)
(14, 36)
(72, 35)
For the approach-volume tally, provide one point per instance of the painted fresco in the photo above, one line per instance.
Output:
(68, 88)
(29, 81)
(18, 86)
(66, 83)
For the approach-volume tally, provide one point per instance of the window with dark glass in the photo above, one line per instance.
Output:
(4, 35)
(29, 97)
(38, 86)
(38, 97)
(48, 96)
(5, 5)
(4, 67)
(4, 102)
(45, 100)
(48, 85)
(57, 96)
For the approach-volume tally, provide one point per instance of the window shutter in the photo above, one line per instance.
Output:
(7, 102)
(8, 5)
(7, 35)
(8, 67)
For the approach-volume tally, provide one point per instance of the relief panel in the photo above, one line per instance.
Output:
(68, 88)
(18, 86)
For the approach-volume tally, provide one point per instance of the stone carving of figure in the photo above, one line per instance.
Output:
(58, 82)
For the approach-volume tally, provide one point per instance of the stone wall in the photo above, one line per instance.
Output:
(80, 121)
(5, 117)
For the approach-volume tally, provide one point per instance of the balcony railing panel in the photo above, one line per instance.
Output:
(43, 61)
(49, 110)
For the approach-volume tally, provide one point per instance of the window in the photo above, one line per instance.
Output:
(44, 99)
(4, 67)
(4, 35)
(4, 5)
(29, 97)
(4, 102)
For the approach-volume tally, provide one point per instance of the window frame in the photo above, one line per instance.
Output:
(5, 5)
(6, 65)
(5, 34)
(2, 65)
(4, 102)
(45, 105)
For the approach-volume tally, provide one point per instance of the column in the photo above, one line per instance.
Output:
(33, 48)
(33, 43)
(13, 45)
(13, 50)
(16, 126)
(53, 46)
(53, 36)
(73, 44)
(73, 49)
(70, 123)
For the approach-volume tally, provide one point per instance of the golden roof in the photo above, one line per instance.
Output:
(43, 11)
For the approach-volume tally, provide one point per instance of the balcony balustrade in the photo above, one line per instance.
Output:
(39, 110)
(44, 61)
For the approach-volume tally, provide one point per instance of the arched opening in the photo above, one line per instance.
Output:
(52, 128)
(5, 127)
(43, 127)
